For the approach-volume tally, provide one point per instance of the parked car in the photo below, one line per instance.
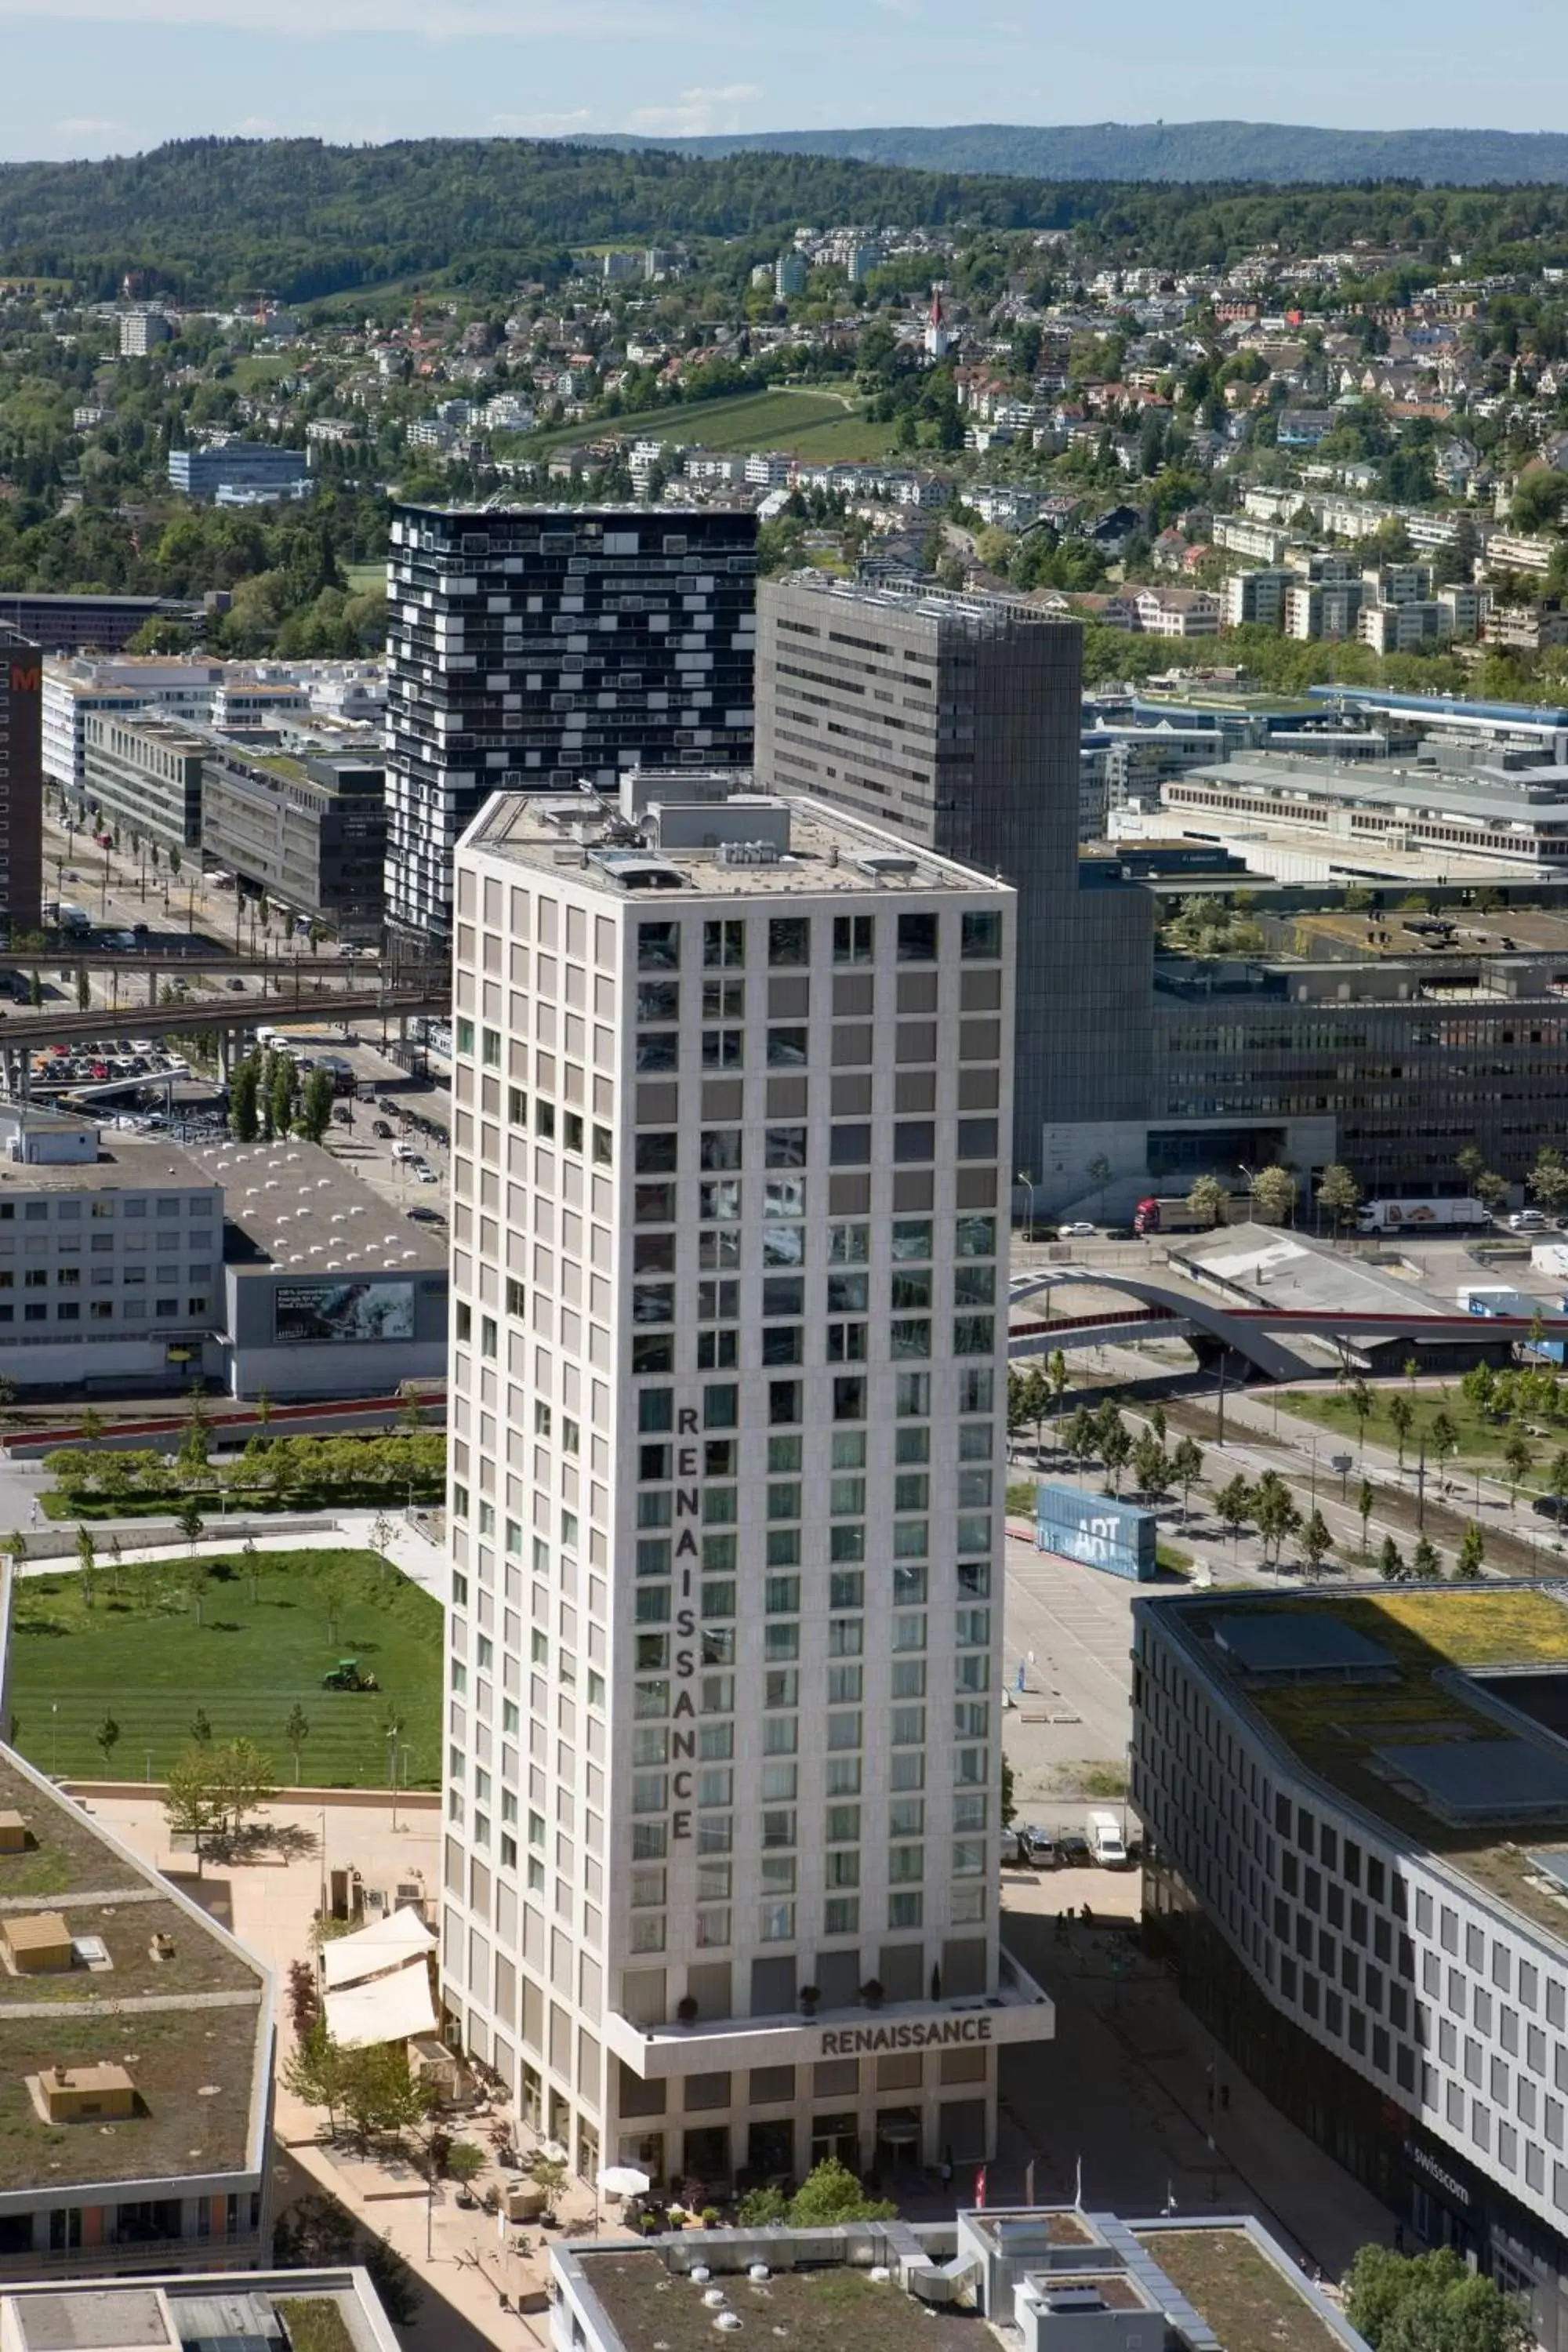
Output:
(341, 1115)
(1527, 1221)
(1013, 1855)
(236, 983)
(379, 1126)
(1039, 1847)
(426, 1216)
(1079, 1230)
(1072, 1850)
(426, 1174)
(407, 1152)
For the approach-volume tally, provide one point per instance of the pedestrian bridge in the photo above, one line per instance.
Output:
(1256, 1333)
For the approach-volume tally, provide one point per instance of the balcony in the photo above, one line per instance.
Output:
(1017, 2010)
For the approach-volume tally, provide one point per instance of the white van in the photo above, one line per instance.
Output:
(1106, 1842)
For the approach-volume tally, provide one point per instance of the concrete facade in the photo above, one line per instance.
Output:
(721, 1887)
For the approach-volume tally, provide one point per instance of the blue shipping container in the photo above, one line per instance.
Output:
(1091, 1528)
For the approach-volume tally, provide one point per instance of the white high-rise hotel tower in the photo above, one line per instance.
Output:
(727, 1406)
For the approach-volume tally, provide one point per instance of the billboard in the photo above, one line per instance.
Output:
(351, 1310)
(1079, 1526)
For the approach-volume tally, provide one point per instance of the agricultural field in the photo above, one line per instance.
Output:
(242, 1640)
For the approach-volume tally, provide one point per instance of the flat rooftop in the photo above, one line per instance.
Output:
(1271, 1267)
(288, 1204)
(1530, 798)
(1434, 1746)
(203, 2312)
(124, 1163)
(196, 2037)
(647, 2304)
(825, 845)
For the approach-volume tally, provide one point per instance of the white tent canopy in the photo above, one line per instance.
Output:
(389, 2008)
(389, 1942)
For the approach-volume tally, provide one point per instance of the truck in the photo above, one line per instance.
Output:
(1421, 1216)
(1176, 1214)
(1106, 1842)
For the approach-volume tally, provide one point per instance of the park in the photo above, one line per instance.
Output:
(116, 1669)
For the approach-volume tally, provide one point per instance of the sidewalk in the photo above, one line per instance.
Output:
(408, 1547)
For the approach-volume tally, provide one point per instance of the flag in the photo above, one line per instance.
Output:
(980, 2187)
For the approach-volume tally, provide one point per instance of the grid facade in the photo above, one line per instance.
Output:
(1447, 2007)
(728, 1390)
(955, 719)
(546, 647)
(21, 783)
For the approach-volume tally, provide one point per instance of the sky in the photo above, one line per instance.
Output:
(110, 76)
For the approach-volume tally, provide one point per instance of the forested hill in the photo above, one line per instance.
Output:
(302, 218)
(1280, 152)
(210, 218)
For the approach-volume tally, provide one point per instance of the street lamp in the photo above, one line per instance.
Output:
(1026, 1177)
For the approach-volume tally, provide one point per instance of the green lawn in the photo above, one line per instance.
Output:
(142, 1654)
(365, 579)
(1481, 1442)
(814, 425)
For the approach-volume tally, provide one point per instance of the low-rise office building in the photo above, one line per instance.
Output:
(194, 2311)
(121, 1272)
(257, 466)
(137, 2044)
(308, 831)
(144, 775)
(1050, 2278)
(60, 625)
(1356, 1808)
(76, 688)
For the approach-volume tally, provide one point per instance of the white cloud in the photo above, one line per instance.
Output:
(85, 126)
(700, 111)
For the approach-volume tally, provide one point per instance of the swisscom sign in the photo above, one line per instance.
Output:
(1093, 1529)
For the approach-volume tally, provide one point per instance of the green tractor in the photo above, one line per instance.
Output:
(346, 1675)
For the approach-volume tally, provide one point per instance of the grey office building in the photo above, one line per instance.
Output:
(549, 648)
(956, 719)
(310, 832)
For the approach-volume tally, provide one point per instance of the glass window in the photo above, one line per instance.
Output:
(659, 947)
(980, 937)
(787, 1049)
(721, 1148)
(851, 1146)
(975, 1237)
(657, 1154)
(723, 944)
(658, 999)
(977, 1138)
(915, 1138)
(784, 1147)
(789, 939)
(853, 939)
(918, 938)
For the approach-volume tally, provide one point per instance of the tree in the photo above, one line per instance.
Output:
(1364, 1500)
(830, 2195)
(1401, 1416)
(296, 1731)
(1057, 1379)
(195, 1573)
(1519, 1458)
(107, 1738)
(243, 1778)
(316, 1106)
(465, 2160)
(1081, 1437)
(244, 1114)
(1426, 1562)
(1443, 1436)
(1317, 1543)
(1233, 1507)
(1098, 1174)
(1186, 1468)
(189, 1521)
(87, 1562)
(1115, 1448)
(1361, 1405)
(1338, 1192)
(190, 1802)
(1431, 2303)
(1548, 1180)
(1275, 1514)
(1391, 1563)
(1150, 1465)
(1273, 1195)
(313, 2070)
(1209, 1200)
(1473, 1551)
